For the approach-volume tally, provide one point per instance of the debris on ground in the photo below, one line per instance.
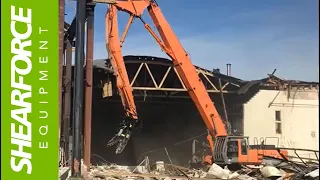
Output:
(270, 171)
(221, 173)
(313, 174)
(159, 170)
(162, 171)
(63, 173)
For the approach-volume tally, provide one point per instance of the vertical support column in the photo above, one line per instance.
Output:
(88, 88)
(61, 49)
(78, 88)
(67, 100)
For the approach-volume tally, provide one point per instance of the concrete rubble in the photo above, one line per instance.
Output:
(162, 171)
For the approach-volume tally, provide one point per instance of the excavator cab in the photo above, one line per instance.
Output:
(234, 150)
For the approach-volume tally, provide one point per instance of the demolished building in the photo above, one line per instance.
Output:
(270, 110)
(171, 128)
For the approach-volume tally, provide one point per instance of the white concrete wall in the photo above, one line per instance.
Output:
(299, 118)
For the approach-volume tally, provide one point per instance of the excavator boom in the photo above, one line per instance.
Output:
(120, 72)
(188, 73)
(125, 91)
(171, 46)
(226, 149)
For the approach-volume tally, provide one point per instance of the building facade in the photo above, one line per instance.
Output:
(289, 118)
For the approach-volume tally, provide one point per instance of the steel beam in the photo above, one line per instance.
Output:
(61, 44)
(78, 88)
(67, 100)
(88, 87)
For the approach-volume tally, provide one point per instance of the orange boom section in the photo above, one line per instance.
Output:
(225, 149)
(171, 46)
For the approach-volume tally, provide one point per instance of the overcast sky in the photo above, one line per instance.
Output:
(255, 36)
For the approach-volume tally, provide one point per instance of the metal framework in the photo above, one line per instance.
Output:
(155, 75)
(160, 86)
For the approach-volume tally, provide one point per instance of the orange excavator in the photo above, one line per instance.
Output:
(225, 149)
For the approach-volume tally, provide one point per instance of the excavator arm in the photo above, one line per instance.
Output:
(113, 45)
(225, 149)
(170, 44)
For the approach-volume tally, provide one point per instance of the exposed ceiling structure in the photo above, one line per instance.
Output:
(159, 77)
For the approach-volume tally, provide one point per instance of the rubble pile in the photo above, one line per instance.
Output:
(161, 171)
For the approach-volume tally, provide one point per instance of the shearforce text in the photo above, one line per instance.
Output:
(21, 66)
